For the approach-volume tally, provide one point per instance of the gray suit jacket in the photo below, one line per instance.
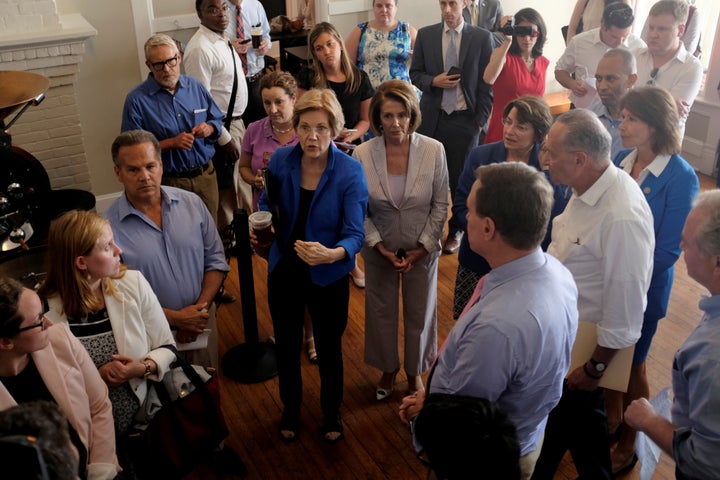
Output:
(488, 18)
(420, 217)
(476, 45)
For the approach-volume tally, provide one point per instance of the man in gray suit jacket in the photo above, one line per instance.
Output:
(454, 118)
(485, 14)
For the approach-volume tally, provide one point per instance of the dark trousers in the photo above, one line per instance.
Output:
(577, 423)
(459, 133)
(289, 292)
(254, 110)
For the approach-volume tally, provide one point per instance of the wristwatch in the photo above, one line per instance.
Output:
(598, 366)
(148, 372)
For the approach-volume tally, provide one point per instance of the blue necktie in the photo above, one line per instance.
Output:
(449, 98)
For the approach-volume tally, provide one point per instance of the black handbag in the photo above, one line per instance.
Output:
(187, 429)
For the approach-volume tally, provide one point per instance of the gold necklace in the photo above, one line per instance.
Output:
(282, 132)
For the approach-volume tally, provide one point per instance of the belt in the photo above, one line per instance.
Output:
(192, 173)
(456, 112)
(254, 78)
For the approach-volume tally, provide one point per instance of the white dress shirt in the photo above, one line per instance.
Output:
(605, 237)
(681, 76)
(583, 53)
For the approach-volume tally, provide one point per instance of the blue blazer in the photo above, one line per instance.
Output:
(476, 45)
(337, 212)
(670, 198)
(485, 155)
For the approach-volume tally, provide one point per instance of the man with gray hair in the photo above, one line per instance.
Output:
(693, 436)
(181, 113)
(605, 237)
(616, 74)
(512, 343)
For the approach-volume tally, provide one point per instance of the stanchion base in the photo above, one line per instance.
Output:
(250, 362)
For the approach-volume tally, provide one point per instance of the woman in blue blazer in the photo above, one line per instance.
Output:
(650, 129)
(318, 197)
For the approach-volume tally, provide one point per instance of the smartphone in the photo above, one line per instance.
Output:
(454, 71)
(247, 40)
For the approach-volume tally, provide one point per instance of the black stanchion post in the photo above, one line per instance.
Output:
(251, 361)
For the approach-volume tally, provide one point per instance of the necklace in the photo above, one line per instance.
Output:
(282, 131)
(529, 61)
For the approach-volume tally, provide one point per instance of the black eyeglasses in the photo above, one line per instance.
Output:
(160, 66)
(653, 74)
(40, 324)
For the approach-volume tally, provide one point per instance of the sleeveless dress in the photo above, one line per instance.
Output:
(514, 81)
(383, 55)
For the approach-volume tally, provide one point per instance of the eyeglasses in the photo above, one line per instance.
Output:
(160, 66)
(534, 34)
(320, 130)
(216, 12)
(40, 324)
(653, 74)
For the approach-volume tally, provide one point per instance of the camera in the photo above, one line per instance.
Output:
(510, 29)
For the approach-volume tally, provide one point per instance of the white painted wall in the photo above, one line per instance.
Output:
(110, 68)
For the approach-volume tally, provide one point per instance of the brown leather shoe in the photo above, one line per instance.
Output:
(452, 242)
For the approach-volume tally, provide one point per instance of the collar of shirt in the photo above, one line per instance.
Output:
(125, 208)
(155, 88)
(593, 194)
(656, 167)
(458, 29)
(220, 36)
(710, 305)
(509, 271)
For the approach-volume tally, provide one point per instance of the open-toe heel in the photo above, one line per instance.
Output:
(289, 427)
(332, 428)
(382, 393)
(310, 350)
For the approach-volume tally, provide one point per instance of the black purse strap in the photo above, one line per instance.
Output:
(198, 382)
(231, 105)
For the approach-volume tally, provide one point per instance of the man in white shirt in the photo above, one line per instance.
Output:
(210, 59)
(665, 62)
(605, 238)
(252, 14)
(578, 63)
(615, 75)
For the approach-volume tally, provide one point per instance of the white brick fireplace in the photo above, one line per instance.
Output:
(34, 38)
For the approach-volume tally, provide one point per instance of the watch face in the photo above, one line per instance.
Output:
(600, 367)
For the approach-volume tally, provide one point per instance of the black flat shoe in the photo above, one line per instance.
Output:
(332, 428)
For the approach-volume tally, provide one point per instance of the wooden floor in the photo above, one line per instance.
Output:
(376, 444)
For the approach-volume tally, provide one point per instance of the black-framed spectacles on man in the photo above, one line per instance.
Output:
(160, 66)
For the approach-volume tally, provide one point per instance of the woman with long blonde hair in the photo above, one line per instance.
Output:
(110, 309)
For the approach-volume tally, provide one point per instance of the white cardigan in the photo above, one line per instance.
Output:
(138, 323)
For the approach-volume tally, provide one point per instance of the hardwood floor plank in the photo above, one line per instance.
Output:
(376, 444)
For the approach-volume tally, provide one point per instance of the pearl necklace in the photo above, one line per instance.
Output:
(282, 132)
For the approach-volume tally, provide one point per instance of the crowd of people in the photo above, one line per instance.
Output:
(366, 153)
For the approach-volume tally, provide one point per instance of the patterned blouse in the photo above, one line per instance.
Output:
(383, 55)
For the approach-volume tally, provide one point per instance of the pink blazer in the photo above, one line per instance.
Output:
(75, 384)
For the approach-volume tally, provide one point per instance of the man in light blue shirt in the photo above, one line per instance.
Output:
(693, 437)
(168, 234)
(512, 343)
